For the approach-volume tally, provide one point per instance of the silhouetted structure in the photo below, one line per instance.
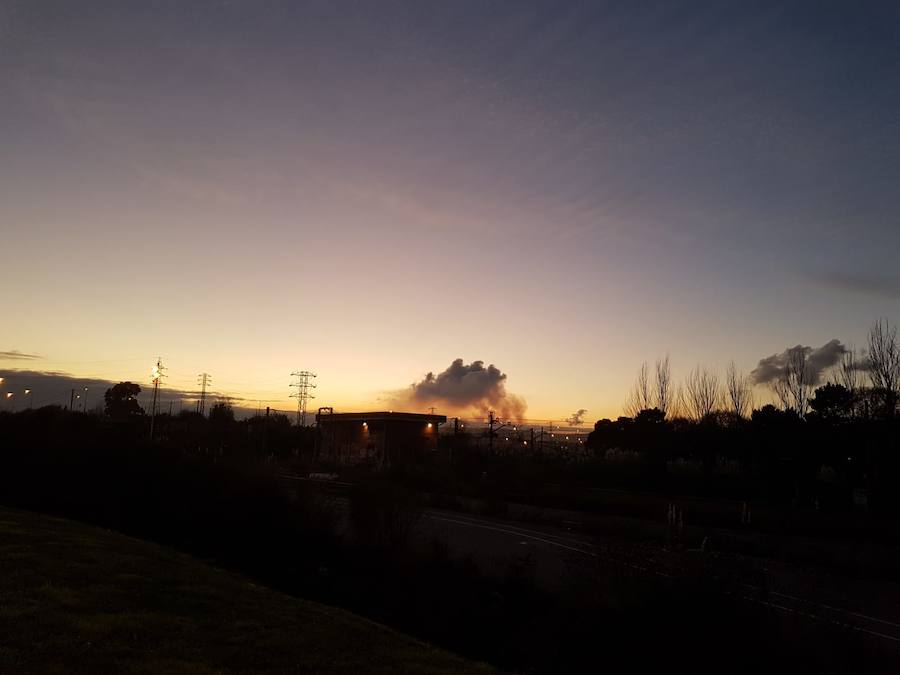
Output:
(384, 439)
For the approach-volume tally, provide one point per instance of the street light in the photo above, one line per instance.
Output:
(31, 399)
(85, 399)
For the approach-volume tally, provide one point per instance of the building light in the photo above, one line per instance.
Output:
(365, 424)
(429, 425)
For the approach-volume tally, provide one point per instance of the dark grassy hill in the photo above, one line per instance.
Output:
(75, 598)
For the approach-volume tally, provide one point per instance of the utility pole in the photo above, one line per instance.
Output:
(158, 374)
(303, 386)
(265, 438)
(203, 379)
(491, 432)
(72, 400)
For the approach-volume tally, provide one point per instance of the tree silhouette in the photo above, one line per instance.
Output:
(121, 400)
(832, 402)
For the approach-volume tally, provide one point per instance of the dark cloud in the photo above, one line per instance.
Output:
(55, 388)
(16, 355)
(577, 417)
(818, 360)
(466, 387)
(870, 284)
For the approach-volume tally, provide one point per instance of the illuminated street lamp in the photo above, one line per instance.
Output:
(85, 399)
(9, 397)
(30, 397)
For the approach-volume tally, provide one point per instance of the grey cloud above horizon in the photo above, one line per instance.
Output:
(869, 284)
(16, 355)
(55, 387)
(466, 386)
(818, 361)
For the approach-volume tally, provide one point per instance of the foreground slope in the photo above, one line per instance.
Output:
(74, 598)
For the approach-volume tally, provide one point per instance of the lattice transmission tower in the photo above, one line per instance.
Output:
(203, 379)
(302, 394)
(156, 377)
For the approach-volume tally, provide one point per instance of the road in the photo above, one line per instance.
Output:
(555, 555)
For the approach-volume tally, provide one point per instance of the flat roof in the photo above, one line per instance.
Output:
(380, 417)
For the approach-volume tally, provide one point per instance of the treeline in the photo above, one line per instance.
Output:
(262, 437)
(829, 438)
(237, 514)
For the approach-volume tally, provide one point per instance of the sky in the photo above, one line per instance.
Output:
(372, 190)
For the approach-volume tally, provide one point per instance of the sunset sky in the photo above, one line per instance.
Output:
(370, 190)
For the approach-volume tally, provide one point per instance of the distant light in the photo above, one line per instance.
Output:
(525, 442)
(507, 438)
(365, 424)
(9, 394)
(28, 391)
(429, 425)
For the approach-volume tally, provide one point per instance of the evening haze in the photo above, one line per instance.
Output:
(371, 190)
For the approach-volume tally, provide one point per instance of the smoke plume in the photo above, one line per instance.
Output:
(818, 360)
(577, 417)
(466, 388)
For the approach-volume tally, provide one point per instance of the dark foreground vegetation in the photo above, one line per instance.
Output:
(235, 513)
(77, 599)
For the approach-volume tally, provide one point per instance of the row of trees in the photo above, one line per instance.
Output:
(701, 394)
(863, 384)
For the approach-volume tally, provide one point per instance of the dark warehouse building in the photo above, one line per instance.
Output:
(384, 439)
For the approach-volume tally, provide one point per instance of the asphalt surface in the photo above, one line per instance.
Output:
(556, 555)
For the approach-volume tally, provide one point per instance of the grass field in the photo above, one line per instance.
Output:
(74, 598)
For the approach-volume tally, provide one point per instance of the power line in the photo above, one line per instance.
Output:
(303, 386)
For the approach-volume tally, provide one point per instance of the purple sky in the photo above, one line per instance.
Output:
(370, 190)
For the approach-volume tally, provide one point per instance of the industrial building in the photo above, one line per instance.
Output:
(382, 439)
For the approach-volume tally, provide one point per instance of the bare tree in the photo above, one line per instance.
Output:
(794, 385)
(847, 371)
(663, 393)
(884, 361)
(640, 397)
(702, 393)
(739, 391)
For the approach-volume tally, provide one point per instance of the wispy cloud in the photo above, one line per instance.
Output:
(869, 284)
(16, 355)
